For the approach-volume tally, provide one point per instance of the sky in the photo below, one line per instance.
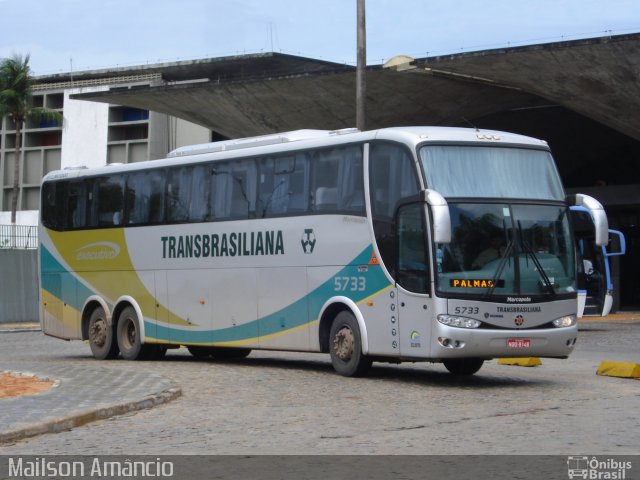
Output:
(75, 35)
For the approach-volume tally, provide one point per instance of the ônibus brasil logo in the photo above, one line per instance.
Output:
(597, 469)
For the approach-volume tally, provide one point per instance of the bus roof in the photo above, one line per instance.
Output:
(302, 139)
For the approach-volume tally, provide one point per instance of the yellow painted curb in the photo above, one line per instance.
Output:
(619, 369)
(521, 362)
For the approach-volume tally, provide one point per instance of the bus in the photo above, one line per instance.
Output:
(595, 282)
(436, 244)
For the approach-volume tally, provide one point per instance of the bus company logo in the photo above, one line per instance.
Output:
(98, 251)
(308, 240)
(519, 321)
(596, 469)
(416, 338)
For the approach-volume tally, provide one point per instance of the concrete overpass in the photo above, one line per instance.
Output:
(257, 94)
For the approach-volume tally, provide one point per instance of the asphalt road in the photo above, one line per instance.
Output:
(293, 403)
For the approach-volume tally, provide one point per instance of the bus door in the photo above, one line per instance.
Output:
(594, 267)
(412, 275)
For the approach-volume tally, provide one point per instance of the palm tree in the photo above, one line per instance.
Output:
(16, 101)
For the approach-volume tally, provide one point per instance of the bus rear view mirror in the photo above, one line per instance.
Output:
(617, 245)
(440, 215)
(598, 215)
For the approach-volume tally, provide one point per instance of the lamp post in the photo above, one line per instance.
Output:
(361, 84)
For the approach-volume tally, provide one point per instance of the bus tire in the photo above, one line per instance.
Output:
(102, 339)
(463, 366)
(229, 353)
(345, 346)
(128, 334)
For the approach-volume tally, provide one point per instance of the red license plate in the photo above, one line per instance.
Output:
(518, 343)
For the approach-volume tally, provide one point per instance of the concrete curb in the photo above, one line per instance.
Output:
(520, 361)
(81, 418)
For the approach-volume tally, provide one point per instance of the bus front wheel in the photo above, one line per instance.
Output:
(345, 347)
(463, 366)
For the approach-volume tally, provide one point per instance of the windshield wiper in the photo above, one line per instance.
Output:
(501, 265)
(529, 251)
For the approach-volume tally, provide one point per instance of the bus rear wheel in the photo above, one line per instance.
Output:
(345, 347)
(463, 366)
(101, 336)
(129, 337)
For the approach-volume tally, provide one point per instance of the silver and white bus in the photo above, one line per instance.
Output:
(401, 244)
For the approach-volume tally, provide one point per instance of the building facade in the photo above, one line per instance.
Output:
(92, 135)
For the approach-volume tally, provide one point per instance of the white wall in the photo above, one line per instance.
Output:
(84, 136)
(190, 134)
(23, 217)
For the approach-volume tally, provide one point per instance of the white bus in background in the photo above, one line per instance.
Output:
(402, 244)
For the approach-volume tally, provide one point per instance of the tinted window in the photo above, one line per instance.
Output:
(338, 180)
(145, 197)
(234, 189)
(107, 200)
(392, 177)
(283, 185)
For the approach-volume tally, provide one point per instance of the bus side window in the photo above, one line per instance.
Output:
(392, 176)
(413, 265)
(299, 184)
(76, 209)
(338, 180)
(199, 199)
(235, 189)
(52, 208)
(178, 194)
(351, 181)
(144, 197)
(283, 185)
(107, 200)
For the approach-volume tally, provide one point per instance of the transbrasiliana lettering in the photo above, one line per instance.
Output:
(236, 244)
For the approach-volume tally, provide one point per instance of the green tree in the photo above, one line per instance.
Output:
(16, 102)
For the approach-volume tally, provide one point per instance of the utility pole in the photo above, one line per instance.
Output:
(361, 83)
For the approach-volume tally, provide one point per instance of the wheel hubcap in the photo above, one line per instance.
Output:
(130, 334)
(343, 344)
(98, 333)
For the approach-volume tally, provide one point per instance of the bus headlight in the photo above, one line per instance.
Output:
(566, 321)
(458, 321)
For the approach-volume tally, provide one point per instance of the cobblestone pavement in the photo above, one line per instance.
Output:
(293, 403)
(81, 393)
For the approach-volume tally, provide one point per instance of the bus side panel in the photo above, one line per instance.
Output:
(381, 318)
(149, 308)
(219, 306)
(367, 286)
(283, 327)
(161, 317)
(60, 302)
(51, 304)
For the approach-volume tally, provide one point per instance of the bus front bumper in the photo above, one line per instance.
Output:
(453, 342)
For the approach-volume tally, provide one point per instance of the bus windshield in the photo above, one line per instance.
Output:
(502, 249)
(491, 172)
